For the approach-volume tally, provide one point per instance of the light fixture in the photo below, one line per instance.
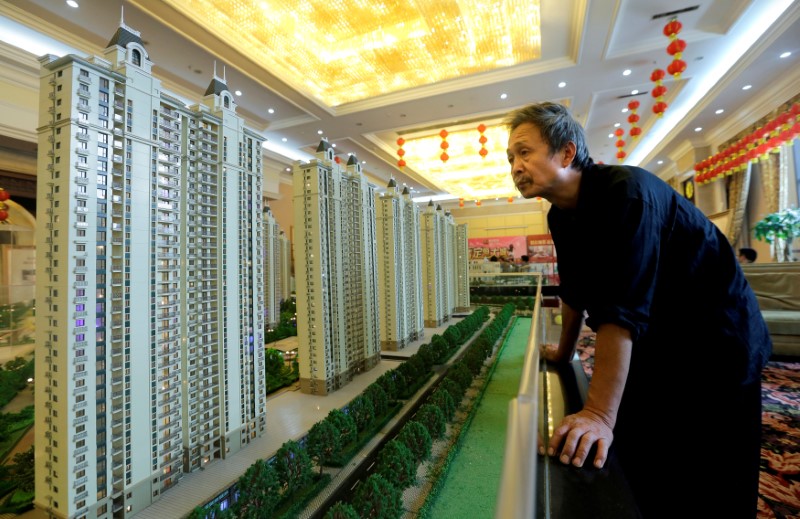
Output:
(73, 4)
(616, 125)
(333, 145)
(324, 48)
(660, 162)
(626, 72)
(284, 139)
(238, 92)
(747, 87)
(610, 135)
(625, 110)
(319, 132)
(562, 84)
(786, 54)
(270, 110)
(288, 169)
(634, 92)
(698, 129)
(503, 96)
(719, 111)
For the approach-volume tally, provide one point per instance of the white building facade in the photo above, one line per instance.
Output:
(273, 270)
(150, 308)
(338, 327)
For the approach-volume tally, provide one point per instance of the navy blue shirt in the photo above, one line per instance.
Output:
(636, 253)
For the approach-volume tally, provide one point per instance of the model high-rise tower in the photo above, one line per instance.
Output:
(149, 322)
(338, 325)
(399, 268)
(434, 273)
(273, 294)
(462, 268)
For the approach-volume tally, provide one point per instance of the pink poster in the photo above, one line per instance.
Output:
(508, 247)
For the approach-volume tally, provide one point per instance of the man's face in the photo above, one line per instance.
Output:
(534, 169)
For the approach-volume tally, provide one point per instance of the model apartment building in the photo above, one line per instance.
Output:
(338, 323)
(399, 268)
(439, 269)
(273, 289)
(462, 268)
(150, 306)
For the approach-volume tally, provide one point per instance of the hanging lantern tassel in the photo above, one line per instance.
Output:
(483, 151)
(619, 132)
(658, 92)
(444, 145)
(675, 48)
(633, 118)
(401, 163)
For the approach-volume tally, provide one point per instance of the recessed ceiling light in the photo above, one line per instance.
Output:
(616, 125)
(626, 72)
(786, 54)
(270, 110)
(284, 139)
(562, 84)
(610, 135)
(503, 96)
(747, 87)
(288, 169)
(698, 129)
(634, 92)
(660, 162)
(333, 145)
(363, 161)
(624, 110)
(319, 132)
(719, 111)
(238, 92)
(72, 3)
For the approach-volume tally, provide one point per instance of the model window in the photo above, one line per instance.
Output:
(137, 58)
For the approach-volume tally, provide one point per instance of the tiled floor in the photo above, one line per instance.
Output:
(289, 416)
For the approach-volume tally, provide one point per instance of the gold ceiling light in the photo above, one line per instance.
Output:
(341, 51)
(465, 174)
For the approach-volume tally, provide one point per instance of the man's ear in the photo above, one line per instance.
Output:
(568, 153)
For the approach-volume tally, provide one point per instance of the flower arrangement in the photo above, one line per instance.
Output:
(779, 229)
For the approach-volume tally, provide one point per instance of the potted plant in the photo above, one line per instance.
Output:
(779, 229)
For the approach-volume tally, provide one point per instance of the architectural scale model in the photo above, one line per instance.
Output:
(274, 240)
(150, 314)
(439, 270)
(462, 268)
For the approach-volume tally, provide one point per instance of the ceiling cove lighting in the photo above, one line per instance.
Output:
(465, 174)
(342, 51)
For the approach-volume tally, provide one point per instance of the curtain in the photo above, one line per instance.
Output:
(738, 190)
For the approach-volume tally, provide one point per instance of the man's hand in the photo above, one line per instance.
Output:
(578, 433)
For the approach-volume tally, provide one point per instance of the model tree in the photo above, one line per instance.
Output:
(416, 437)
(380, 401)
(293, 467)
(444, 401)
(376, 498)
(323, 442)
(396, 463)
(433, 419)
(344, 424)
(362, 411)
(259, 491)
(341, 511)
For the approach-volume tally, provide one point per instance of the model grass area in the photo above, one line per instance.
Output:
(470, 484)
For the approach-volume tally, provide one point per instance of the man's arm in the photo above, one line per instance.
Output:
(571, 324)
(594, 424)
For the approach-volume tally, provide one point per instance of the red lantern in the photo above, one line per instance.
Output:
(619, 132)
(633, 118)
(657, 75)
(676, 67)
(460, 202)
(633, 105)
(511, 200)
(478, 203)
(483, 151)
(635, 132)
(620, 143)
(3, 215)
(659, 91)
(676, 48)
(444, 145)
(4, 195)
(337, 160)
(659, 108)
(672, 28)
(401, 152)
(621, 154)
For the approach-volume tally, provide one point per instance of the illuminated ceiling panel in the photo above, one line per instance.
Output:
(341, 51)
(465, 174)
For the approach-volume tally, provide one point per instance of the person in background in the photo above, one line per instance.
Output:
(680, 341)
(747, 255)
(524, 266)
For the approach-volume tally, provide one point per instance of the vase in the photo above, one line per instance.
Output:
(781, 250)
